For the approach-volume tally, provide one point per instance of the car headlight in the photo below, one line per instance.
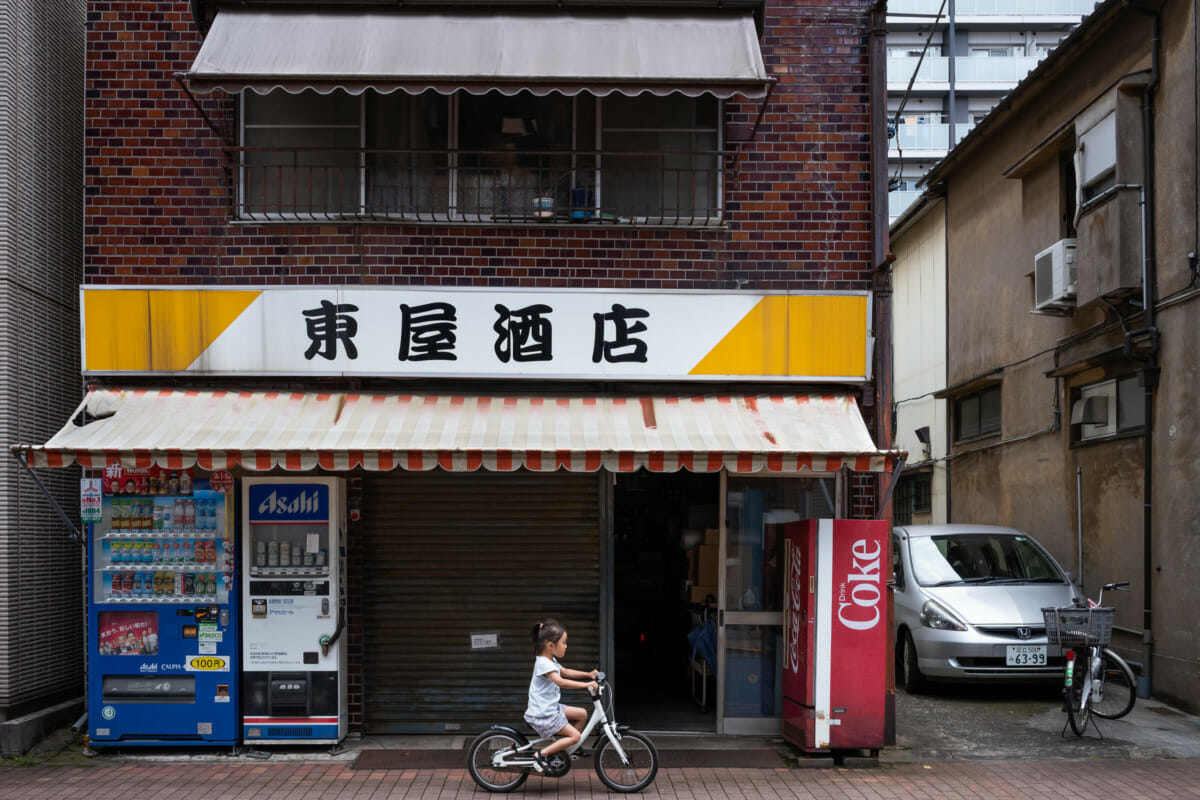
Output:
(936, 615)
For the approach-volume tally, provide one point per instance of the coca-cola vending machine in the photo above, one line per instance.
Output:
(835, 634)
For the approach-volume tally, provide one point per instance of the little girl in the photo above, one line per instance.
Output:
(545, 713)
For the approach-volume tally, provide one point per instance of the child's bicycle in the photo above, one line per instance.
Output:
(501, 758)
(1095, 679)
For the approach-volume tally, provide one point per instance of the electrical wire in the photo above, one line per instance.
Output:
(908, 91)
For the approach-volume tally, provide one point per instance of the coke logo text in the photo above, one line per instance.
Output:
(860, 593)
(795, 602)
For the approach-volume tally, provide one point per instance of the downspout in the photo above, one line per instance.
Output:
(1148, 338)
(881, 258)
(881, 280)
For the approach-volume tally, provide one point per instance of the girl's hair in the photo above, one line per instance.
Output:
(548, 630)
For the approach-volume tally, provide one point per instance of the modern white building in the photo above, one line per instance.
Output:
(949, 62)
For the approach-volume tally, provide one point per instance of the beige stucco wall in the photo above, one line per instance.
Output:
(1026, 476)
(919, 347)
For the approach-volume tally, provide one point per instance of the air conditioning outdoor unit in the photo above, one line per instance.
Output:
(1054, 277)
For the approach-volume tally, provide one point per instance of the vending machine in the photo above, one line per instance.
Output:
(294, 611)
(836, 634)
(162, 611)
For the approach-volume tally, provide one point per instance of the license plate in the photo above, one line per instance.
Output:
(1025, 655)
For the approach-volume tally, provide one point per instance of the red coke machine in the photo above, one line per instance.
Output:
(835, 634)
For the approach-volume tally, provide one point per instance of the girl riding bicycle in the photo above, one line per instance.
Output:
(545, 713)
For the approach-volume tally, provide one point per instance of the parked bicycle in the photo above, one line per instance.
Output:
(501, 758)
(1095, 679)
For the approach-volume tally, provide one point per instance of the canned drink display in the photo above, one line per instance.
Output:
(189, 583)
(285, 553)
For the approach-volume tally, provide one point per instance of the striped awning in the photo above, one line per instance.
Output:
(782, 433)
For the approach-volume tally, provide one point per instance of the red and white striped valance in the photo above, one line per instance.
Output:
(781, 433)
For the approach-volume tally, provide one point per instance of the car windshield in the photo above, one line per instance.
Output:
(980, 558)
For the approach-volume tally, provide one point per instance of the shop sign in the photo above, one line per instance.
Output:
(492, 333)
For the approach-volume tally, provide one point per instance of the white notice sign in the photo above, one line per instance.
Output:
(483, 641)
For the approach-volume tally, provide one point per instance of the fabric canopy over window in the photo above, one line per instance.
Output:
(540, 53)
(786, 433)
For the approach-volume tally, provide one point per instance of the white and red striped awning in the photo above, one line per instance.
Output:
(783, 433)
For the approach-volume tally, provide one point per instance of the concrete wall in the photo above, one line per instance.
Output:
(41, 161)
(1003, 198)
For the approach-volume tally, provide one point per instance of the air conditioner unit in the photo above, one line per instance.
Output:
(1054, 277)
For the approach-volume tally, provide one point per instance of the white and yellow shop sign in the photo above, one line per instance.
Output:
(485, 333)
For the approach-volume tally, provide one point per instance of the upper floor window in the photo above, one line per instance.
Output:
(977, 414)
(480, 158)
(1108, 408)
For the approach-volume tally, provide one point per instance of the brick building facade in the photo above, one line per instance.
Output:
(797, 210)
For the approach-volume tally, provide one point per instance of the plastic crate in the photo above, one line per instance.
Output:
(1079, 627)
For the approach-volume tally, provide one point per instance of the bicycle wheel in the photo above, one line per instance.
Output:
(633, 775)
(1077, 715)
(1117, 689)
(479, 762)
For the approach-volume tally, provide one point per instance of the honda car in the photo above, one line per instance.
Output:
(968, 604)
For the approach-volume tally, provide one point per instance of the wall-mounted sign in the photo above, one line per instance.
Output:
(493, 333)
(91, 497)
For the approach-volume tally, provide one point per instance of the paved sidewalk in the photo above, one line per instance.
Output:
(1007, 780)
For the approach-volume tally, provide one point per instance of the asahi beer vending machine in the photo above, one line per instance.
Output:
(162, 612)
(836, 634)
(293, 613)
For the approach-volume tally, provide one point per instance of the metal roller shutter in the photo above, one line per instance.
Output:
(448, 555)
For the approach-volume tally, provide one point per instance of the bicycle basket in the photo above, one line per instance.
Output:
(1079, 627)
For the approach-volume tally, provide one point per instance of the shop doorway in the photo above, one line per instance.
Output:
(660, 525)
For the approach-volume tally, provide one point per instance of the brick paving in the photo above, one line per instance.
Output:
(1011, 780)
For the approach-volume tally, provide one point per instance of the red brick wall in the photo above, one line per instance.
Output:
(158, 200)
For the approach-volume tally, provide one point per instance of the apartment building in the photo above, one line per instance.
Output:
(949, 62)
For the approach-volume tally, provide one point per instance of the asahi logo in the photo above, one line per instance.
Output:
(860, 593)
(303, 503)
(796, 603)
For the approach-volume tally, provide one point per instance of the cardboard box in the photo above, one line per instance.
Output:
(707, 572)
(699, 593)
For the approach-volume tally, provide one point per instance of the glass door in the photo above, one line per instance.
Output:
(752, 583)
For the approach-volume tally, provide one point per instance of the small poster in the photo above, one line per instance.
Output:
(91, 496)
(128, 633)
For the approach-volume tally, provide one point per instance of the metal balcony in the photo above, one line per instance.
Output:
(493, 187)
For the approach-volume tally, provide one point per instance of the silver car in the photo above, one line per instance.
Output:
(968, 604)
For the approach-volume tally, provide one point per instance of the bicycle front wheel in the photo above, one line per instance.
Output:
(1117, 693)
(633, 774)
(1078, 712)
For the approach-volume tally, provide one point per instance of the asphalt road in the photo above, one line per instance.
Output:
(950, 723)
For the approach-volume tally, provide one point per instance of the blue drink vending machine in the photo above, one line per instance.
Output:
(293, 612)
(162, 611)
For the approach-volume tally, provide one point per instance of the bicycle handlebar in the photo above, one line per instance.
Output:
(1119, 586)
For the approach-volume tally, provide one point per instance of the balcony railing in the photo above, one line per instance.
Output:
(495, 186)
(983, 69)
(928, 136)
(1007, 8)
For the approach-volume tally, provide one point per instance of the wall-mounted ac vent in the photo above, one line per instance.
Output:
(1054, 278)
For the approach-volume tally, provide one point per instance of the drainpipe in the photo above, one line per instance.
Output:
(1148, 338)
(881, 257)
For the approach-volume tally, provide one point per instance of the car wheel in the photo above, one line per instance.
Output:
(910, 674)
